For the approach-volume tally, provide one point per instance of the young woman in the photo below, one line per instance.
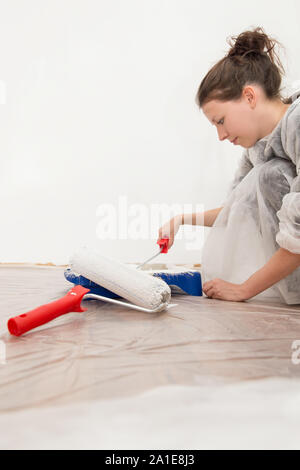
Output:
(253, 248)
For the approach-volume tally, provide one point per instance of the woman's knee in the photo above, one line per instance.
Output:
(274, 180)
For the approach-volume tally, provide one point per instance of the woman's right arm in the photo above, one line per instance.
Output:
(170, 229)
(205, 219)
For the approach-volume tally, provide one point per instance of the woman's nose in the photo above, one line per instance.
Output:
(222, 134)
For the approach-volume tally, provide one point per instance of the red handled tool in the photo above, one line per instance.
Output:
(19, 325)
(71, 303)
(45, 313)
(163, 244)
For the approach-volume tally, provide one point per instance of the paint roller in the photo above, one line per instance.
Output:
(145, 292)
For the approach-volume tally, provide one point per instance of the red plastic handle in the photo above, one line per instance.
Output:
(163, 243)
(45, 313)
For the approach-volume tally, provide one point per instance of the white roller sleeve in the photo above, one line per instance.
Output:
(136, 286)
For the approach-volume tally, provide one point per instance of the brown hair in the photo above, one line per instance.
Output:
(246, 62)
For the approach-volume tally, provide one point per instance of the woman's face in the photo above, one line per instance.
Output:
(235, 121)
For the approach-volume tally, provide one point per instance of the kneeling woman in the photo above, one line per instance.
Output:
(253, 248)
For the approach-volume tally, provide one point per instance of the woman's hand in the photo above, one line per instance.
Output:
(223, 290)
(169, 229)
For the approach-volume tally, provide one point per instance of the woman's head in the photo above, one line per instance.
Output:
(243, 86)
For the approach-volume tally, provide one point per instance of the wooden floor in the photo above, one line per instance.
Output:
(112, 352)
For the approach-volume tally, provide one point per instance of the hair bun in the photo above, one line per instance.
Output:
(250, 42)
(252, 59)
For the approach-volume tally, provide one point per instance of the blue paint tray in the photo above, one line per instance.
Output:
(180, 281)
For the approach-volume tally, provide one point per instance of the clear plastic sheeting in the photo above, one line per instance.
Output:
(262, 414)
(82, 366)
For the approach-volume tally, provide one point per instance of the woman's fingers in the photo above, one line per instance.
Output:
(208, 289)
(169, 230)
(210, 292)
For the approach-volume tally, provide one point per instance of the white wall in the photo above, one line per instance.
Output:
(98, 107)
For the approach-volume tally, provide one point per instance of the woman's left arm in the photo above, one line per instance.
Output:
(280, 265)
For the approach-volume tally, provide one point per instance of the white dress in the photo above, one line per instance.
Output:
(261, 213)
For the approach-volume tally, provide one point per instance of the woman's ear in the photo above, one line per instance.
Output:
(250, 95)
